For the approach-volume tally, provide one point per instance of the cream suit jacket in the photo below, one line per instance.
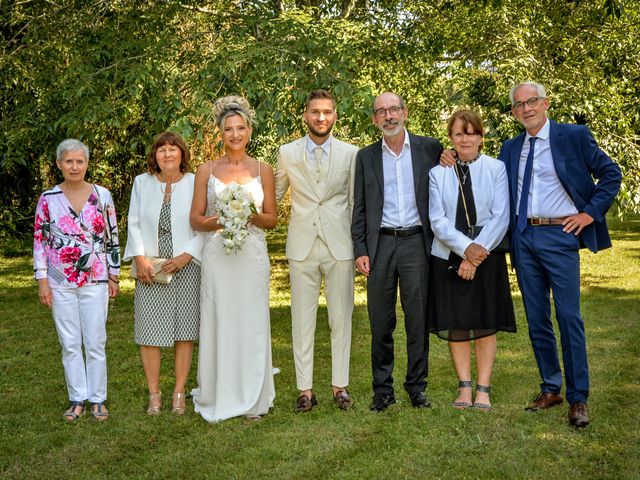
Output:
(310, 204)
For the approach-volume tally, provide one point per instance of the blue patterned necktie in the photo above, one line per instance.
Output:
(526, 182)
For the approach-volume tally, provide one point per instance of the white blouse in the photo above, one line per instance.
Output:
(144, 213)
(491, 197)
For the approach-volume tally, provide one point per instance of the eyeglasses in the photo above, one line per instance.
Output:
(382, 112)
(532, 102)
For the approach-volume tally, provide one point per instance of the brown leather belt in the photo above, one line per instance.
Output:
(401, 232)
(545, 221)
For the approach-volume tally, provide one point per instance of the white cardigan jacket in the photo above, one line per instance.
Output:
(144, 213)
(491, 197)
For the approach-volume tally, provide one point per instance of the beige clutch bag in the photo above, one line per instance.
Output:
(158, 276)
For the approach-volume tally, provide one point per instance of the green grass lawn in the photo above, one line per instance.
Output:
(402, 442)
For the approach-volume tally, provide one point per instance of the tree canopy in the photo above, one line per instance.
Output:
(115, 73)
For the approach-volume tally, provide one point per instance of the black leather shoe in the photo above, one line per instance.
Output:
(419, 400)
(381, 402)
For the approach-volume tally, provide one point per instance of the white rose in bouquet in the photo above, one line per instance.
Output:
(234, 207)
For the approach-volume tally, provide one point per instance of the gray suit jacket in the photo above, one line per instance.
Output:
(369, 192)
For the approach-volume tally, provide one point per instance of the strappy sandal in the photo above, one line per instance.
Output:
(179, 405)
(70, 414)
(100, 413)
(463, 384)
(155, 403)
(482, 406)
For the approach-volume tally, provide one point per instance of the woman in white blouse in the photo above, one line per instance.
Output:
(471, 298)
(166, 314)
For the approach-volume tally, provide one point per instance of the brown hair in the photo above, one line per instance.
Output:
(469, 118)
(169, 138)
(319, 95)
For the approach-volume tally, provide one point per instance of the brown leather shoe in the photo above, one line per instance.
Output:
(578, 415)
(305, 404)
(544, 400)
(343, 399)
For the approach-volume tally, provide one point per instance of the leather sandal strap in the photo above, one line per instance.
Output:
(465, 384)
(483, 388)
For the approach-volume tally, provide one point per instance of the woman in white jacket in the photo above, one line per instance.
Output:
(471, 298)
(166, 314)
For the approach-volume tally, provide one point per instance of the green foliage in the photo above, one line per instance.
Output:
(116, 73)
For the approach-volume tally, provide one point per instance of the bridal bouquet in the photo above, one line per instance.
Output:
(234, 207)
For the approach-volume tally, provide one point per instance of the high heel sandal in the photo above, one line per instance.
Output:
(155, 403)
(179, 405)
(463, 384)
(482, 406)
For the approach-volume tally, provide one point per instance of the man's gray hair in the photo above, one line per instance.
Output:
(71, 145)
(540, 90)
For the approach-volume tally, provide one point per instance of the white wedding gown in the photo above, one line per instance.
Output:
(234, 362)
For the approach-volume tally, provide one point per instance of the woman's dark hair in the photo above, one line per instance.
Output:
(168, 138)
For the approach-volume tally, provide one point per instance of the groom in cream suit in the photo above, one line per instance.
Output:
(319, 171)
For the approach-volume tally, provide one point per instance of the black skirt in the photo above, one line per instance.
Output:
(462, 310)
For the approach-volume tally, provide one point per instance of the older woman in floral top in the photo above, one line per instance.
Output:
(77, 262)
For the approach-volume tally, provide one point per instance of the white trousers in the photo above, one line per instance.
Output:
(306, 279)
(80, 315)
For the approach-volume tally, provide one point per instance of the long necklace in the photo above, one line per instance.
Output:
(462, 163)
(168, 188)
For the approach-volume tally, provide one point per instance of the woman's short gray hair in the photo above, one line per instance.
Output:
(71, 145)
(540, 90)
(233, 105)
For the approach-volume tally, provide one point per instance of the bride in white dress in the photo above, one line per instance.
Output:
(234, 361)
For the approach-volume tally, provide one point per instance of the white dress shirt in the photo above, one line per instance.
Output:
(490, 195)
(399, 209)
(547, 196)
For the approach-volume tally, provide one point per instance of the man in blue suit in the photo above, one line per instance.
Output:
(556, 209)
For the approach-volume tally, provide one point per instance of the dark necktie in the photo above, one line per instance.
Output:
(526, 183)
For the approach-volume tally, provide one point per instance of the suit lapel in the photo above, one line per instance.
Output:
(417, 162)
(557, 153)
(376, 163)
(335, 158)
(515, 167)
(303, 164)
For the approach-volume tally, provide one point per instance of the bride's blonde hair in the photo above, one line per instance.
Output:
(233, 105)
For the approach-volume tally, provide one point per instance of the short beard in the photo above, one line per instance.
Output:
(317, 133)
(396, 130)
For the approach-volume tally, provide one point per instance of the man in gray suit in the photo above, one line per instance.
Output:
(391, 242)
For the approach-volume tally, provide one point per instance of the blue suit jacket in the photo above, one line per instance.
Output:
(578, 161)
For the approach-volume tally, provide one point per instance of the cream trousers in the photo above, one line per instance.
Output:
(306, 279)
(80, 316)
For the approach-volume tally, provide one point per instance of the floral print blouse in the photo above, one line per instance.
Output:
(71, 248)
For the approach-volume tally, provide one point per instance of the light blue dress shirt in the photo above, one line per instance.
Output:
(547, 196)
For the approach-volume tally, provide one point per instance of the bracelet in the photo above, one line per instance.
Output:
(114, 280)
